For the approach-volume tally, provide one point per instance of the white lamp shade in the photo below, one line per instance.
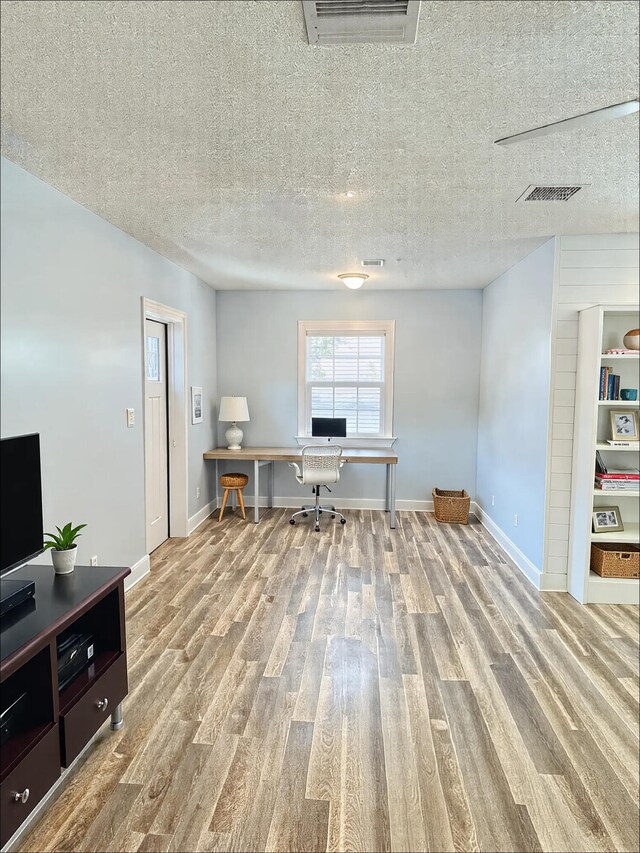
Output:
(233, 409)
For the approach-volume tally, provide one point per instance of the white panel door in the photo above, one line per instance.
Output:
(155, 434)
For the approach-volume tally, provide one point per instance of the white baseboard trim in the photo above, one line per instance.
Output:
(201, 516)
(139, 570)
(341, 503)
(531, 572)
(553, 582)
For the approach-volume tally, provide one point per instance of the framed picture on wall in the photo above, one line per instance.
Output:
(606, 519)
(624, 425)
(196, 404)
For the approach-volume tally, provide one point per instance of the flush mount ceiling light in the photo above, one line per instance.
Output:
(353, 280)
(349, 194)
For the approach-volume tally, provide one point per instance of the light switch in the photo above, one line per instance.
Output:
(130, 418)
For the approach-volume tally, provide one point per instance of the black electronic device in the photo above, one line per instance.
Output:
(75, 653)
(21, 533)
(329, 427)
(12, 718)
(13, 593)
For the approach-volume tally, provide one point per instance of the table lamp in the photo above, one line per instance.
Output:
(233, 409)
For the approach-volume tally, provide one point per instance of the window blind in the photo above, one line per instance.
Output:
(345, 379)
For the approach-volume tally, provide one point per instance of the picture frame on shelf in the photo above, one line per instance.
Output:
(607, 519)
(624, 425)
(196, 405)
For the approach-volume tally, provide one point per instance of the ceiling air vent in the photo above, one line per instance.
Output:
(549, 193)
(373, 262)
(331, 22)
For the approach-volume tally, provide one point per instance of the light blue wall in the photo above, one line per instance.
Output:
(514, 400)
(72, 360)
(437, 356)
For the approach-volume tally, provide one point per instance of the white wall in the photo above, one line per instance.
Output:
(437, 353)
(590, 270)
(513, 419)
(72, 360)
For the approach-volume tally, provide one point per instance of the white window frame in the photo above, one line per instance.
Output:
(308, 328)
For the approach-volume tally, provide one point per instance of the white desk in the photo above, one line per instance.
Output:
(261, 456)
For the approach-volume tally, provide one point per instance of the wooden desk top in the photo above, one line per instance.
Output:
(383, 456)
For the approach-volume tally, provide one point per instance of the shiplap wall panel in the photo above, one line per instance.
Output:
(567, 346)
(597, 276)
(590, 270)
(589, 295)
(598, 259)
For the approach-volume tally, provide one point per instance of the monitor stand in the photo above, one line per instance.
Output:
(13, 593)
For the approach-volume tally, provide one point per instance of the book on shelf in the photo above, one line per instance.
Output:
(621, 352)
(619, 474)
(601, 468)
(614, 442)
(609, 385)
(617, 485)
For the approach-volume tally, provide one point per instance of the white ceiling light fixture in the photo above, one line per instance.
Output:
(353, 280)
(575, 122)
(350, 194)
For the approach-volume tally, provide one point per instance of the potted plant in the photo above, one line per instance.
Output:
(63, 548)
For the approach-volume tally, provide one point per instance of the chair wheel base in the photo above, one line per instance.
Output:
(292, 521)
(305, 515)
(317, 528)
(343, 521)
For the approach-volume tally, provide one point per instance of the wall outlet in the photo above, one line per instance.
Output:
(493, 500)
(197, 491)
(515, 520)
(130, 418)
(94, 560)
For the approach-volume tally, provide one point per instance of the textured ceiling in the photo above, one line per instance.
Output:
(214, 133)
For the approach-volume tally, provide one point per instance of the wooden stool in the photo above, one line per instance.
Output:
(233, 483)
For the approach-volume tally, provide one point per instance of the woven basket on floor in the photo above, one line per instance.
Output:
(451, 506)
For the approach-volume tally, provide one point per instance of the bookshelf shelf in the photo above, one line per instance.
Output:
(601, 327)
(629, 534)
(612, 590)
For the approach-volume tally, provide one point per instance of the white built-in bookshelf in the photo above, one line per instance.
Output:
(602, 328)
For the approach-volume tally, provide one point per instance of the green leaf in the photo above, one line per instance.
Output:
(66, 538)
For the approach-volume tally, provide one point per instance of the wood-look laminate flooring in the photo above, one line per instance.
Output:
(360, 689)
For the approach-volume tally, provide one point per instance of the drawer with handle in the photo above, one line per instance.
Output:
(80, 722)
(28, 782)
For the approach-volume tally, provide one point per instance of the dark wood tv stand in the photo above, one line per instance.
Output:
(54, 726)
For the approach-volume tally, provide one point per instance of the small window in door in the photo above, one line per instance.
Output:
(153, 359)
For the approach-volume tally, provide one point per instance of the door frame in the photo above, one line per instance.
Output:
(177, 410)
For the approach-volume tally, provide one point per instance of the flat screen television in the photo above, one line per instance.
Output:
(329, 427)
(21, 533)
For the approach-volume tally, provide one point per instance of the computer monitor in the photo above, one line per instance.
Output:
(329, 427)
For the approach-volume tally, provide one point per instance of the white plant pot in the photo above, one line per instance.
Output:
(64, 561)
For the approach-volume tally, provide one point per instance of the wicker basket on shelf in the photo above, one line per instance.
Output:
(451, 506)
(615, 561)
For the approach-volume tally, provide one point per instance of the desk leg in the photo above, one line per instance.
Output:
(256, 500)
(387, 486)
(270, 472)
(392, 496)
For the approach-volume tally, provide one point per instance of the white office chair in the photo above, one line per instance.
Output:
(320, 466)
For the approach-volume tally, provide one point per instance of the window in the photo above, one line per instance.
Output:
(346, 371)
